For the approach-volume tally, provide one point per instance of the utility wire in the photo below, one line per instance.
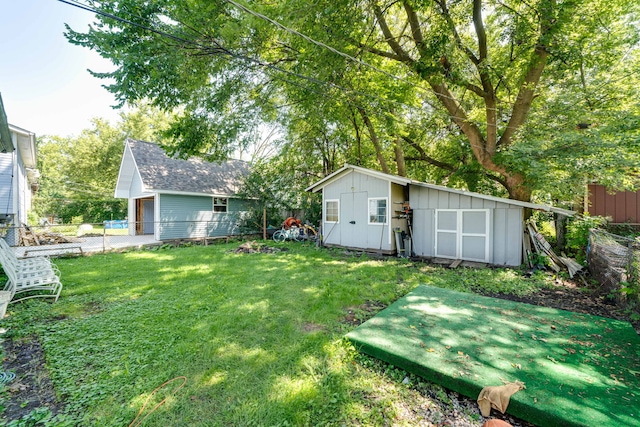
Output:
(259, 63)
(338, 52)
(271, 66)
(246, 59)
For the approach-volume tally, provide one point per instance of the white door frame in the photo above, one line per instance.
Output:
(459, 233)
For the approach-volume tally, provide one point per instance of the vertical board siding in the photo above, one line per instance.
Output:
(510, 233)
(623, 206)
(505, 225)
(376, 236)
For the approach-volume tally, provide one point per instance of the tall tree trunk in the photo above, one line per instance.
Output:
(374, 140)
(400, 161)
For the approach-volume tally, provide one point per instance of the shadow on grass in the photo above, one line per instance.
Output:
(235, 325)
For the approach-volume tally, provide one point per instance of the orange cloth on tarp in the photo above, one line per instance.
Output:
(291, 222)
(497, 397)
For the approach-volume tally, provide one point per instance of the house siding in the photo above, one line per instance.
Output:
(623, 206)
(185, 217)
(6, 184)
(24, 202)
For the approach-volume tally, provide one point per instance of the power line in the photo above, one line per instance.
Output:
(340, 53)
(241, 57)
(221, 50)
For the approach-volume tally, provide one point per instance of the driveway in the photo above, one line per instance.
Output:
(88, 245)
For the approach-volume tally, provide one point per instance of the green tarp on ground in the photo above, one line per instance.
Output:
(579, 370)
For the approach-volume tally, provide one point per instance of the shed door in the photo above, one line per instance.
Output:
(463, 234)
(353, 219)
(147, 214)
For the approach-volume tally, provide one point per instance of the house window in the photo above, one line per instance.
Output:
(331, 210)
(220, 204)
(378, 211)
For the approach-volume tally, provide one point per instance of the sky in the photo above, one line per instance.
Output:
(44, 82)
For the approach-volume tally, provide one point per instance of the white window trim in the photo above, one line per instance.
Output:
(213, 205)
(324, 208)
(386, 216)
(460, 234)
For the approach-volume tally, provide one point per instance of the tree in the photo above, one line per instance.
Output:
(78, 174)
(441, 84)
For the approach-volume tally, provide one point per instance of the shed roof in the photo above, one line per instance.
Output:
(347, 168)
(162, 174)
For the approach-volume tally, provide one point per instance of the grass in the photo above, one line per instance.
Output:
(259, 337)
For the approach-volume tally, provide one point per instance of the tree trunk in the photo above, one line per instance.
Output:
(400, 161)
(561, 228)
(374, 140)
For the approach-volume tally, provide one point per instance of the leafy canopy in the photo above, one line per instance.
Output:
(484, 94)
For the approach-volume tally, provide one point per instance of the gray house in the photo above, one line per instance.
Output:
(363, 208)
(177, 199)
(18, 175)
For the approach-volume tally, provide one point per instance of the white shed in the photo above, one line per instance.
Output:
(363, 207)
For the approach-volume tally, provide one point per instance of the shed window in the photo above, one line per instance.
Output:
(378, 211)
(331, 210)
(220, 204)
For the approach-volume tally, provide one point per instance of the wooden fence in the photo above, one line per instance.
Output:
(621, 207)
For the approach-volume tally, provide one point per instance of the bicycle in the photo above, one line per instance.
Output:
(307, 232)
(292, 233)
(296, 233)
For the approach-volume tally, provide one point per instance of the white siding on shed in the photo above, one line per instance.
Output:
(354, 191)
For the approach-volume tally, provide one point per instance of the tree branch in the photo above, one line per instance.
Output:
(374, 140)
(480, 31)
(447, 16)
(526, 94)
(416, 32)
(423, 156)
(389, 38)
(382, 53)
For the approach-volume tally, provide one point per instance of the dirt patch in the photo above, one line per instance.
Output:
(357, 315)
(567, 295)
(31, 387)
(313, 327)
(254, 247)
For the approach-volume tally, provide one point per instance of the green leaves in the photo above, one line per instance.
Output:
(79, 173)
(488, 92)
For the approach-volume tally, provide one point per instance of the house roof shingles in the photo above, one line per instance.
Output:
(161, 173)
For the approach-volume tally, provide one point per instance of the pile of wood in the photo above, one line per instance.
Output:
(29, 237)
(535, 243)
(253, 247)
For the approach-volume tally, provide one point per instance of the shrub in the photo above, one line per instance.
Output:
(578, 233)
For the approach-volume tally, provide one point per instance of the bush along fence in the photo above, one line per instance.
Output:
(614, 261)
(67, 239)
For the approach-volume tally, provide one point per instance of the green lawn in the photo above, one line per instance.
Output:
(259, 337)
